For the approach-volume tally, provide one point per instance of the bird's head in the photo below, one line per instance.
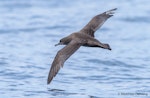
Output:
(63, 41)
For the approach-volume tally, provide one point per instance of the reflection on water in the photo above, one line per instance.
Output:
(30, 29)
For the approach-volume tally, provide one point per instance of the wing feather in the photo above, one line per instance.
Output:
(61, 56)
(96, 22)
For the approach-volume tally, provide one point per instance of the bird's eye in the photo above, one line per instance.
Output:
(60, 41)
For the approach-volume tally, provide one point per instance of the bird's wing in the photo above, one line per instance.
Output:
(96, 22)
(61, 57)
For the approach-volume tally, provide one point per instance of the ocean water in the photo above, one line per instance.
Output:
(29, 29)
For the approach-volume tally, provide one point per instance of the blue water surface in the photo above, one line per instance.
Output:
(29, 29)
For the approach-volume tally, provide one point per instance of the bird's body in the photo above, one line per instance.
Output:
(84, 37)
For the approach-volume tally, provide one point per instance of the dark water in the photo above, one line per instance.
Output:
(29, 30)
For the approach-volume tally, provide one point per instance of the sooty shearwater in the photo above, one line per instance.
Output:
(84, 37)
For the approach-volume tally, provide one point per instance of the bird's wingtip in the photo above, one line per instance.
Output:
(48, 82)
(114, 9)
(49, 79)
(110, 12)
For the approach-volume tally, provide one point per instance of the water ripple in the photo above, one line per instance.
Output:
(137, 19)
(5, 31)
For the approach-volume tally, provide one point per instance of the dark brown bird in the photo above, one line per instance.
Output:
(84, 37)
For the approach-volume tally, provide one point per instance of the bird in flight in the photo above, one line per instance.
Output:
(84, 37)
